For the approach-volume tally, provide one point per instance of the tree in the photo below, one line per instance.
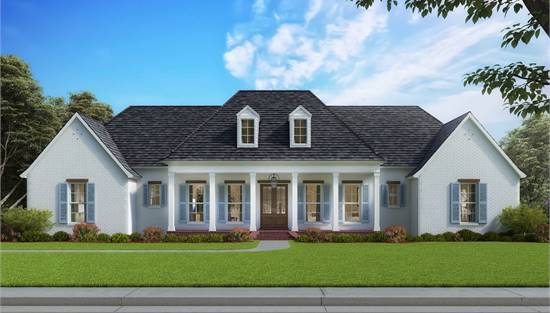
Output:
(529, 147)
(27, 126)
(519, 84)
(85, 102)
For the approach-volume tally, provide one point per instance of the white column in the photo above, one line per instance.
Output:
(212, 200)
(294, 210)
(253, 226)
(171, 201)
(376, 199)
(335, 201)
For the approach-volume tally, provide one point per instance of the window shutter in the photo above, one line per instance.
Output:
(62, 203)
(365, 204)
(163, 195)
(183, 203)
(455, 203)
(384, 195)
(402, 195)
(341, 203)
(301, 203)
(222, 204)
(246, 199)
(482, 204)
(206, 205)
(90, 203)
(325, 209)
(145, 195)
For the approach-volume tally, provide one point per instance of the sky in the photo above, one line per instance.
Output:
(131, 52)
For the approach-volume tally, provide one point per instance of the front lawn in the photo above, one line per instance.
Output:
(353, 264)
(126, 246)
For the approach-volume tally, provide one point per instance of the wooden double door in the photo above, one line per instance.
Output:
(274, 206)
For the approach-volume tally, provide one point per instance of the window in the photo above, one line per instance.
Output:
(300, 131)
(78, 202)
(352, 202)
(196, 203)
(468, 202)
(393, 194)
(234, 202)
(247, 131)
(154, 193)
(313, 202)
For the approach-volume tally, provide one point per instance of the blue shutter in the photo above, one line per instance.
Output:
(90, 203)
(301, 203)
(482, 203)
(183, 205)
(341, 203)
(326, 203)
(455, 203)
(206, 205)
(222, 204)
(62, 203)
(246, 199)
(365, 204)
(145, 195)
(163, 195)
(402, 195)
(384, 195)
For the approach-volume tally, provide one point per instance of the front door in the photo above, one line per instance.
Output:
(274, 207)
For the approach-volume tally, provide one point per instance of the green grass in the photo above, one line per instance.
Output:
(126, 246)
(354, 264)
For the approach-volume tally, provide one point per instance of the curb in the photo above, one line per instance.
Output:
(274, 297)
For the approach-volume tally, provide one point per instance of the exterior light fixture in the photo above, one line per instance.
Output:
(273, 179)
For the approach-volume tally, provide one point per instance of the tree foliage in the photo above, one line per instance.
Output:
(523, 219)
(529, 147)
(521, 85)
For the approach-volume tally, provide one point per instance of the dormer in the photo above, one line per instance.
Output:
(248, 128)
(300, 128)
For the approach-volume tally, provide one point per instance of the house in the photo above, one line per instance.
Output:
(274, 160)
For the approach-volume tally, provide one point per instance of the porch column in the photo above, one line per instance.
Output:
(335, 201)
(294, 211)
(376, 199)
(212, 200)
(253, 202)
(171, 201)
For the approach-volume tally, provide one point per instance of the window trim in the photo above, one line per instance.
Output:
(247, 113)
(300, 113)
(227, 203)
(321, 195)
(398, 194)
(344, 202)
(474, 182)
(70, 202)
(190, 202)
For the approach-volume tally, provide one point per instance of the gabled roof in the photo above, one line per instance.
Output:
(331, 138)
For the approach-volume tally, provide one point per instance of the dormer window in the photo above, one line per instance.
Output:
(300, 128)
(248, 126)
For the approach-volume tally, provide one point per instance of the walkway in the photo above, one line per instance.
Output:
(263, 245)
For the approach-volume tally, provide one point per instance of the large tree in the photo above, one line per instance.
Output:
(85, 102)
(529, 147)
(521, 85)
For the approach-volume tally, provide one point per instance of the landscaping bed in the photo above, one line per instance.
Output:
(126, 246)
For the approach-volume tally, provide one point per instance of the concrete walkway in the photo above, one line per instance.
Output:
(263, 245)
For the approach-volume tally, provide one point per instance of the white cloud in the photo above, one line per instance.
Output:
(259, 6)
(283, 39)
(239, 59)
(313, 10)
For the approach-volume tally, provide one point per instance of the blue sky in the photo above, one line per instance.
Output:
(201, 52)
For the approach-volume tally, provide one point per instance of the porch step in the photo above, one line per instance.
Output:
(274, 235)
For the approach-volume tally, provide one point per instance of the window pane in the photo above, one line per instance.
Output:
(266, 199)
(247, 131)
(154, 194)
(234, 214)
(281, 197)
(352, 212)
(300, 131)
(234, 206)
(393, 194)
(78, 202)
(468, 202)
(351, 202)
(313, 202)
(234, 193)
(196, 202)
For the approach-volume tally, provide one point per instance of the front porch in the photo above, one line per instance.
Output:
(273, 196)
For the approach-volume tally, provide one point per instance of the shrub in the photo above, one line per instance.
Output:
(172, 238)
(135, 237)
(313, 234)
(35, 236)
(120, 238)
(395, 233)
(153, 234)
(8, 234)
(409, 238)
(523, 219)
(27, 220)
(103, 237)
(85, 232)
(376, 236)
(426, 237)
(239, 235)
(504, 238)
(61, 236)
(468, 235)
(450, 236)
(490, 236)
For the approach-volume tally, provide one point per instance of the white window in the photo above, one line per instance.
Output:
(234, 203)
(78, 202)
(300, 128)
(196, 203)
(393, 194)
(352, 203)
(468, 202)
(248, 128)
(313, 202)
(154, 193)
